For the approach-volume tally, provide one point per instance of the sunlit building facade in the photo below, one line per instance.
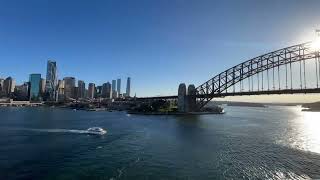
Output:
(106, 90)
(1, 87)
(128, 87)
(81, 89)
(51, 81)
(91, 91)
(8, 86)
(119, 86)
(42, 86)
(113, 90)
(69, 87)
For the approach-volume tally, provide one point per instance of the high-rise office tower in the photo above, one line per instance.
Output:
(119, 86)
(61, 90)
(8, 86)
(114, 84)
(69, 87)
(128, 87)
(1, 84)
(91, 90)
(113, 90)
(98, 91)
(106, 90)
(51, 81)
(81, 89)
(42, 86)
(34, 82)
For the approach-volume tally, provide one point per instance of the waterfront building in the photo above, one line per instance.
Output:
(42, 86)
(34, 92)
(69, 87)
(114, 84)
(119, 86)
(1, 87)
(113, 89)
(8, 86)
(91, 90)
(86, 93)
(106, 90)
(76, 93)
(81, 89)
(51, 81)
(21, 92)
(98, 91)
(1, 84)
(61, 90)
(128, 87)
(114, 94)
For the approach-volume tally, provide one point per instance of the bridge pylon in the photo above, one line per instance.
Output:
(187, 98)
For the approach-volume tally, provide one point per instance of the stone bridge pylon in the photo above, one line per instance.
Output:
(187, 98)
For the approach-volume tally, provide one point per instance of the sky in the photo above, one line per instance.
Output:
(158, 43)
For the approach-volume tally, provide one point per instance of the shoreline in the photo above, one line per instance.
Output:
(174, 113)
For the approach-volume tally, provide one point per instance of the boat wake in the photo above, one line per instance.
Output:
(57, 130)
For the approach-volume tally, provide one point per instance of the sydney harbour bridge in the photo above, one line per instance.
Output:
(290, 70)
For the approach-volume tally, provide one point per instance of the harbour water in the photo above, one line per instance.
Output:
(245, 142)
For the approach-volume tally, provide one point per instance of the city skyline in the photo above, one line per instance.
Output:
(118, 86)
(139, 46)
(60, 89)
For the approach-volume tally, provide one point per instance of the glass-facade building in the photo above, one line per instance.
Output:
(91, 90)
(81, 89)
(128, 87)
(119, 86)
(114, 91)
(51, 81)
(35, 81)
(69, 87)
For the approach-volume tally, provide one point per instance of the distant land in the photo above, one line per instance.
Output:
(314, 105)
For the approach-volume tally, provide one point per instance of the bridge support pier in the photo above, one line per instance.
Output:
(191, 99)
(182, 98)
(186, 101)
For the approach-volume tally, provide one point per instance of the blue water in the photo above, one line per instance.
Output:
(250, 143)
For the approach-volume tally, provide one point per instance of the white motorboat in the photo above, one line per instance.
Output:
(96, 130)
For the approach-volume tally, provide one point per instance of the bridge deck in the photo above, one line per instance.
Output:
(247, 93)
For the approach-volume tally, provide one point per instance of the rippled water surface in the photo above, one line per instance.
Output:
(264, 143)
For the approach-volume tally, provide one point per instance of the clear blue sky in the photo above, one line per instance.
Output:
(159, 43)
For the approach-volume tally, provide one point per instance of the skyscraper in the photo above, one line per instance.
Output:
(8, 86)
(114, 84)
(81, 89)
(42, 86)
(69, 87)
(1, 85)
(51, 81)
(34, 82)
(106, 90)
(128, 87)
(91, 90)
(60, 90)
(114, 91)
(98, 91)
(119, 86)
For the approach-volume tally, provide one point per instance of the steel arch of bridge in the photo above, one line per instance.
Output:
(219, 84)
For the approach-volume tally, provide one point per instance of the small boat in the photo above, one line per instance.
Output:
(96, 130)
